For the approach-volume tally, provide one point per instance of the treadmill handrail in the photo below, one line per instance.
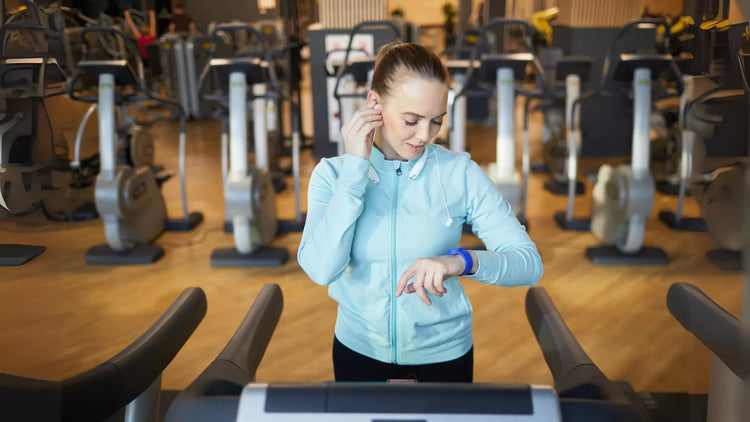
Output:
(576, 375)
(236, 364)
(248, 344)
(716, 328)
(564, 352)
(102, 391)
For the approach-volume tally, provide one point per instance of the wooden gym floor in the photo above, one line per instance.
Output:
(59, 316)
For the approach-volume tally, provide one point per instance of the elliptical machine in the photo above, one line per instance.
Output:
(248, 191)
(127, 197)
(624, 195)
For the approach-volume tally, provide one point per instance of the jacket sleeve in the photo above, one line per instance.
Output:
(511, 258)
(334, 203)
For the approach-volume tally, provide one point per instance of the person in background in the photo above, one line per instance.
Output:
(125, 5)
(146, 35)
(181, 21)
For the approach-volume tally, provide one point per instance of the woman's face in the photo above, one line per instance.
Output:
(412, 115)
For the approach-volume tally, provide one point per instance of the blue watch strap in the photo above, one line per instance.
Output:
(469, 263)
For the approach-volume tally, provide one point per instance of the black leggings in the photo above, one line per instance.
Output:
(349, 365)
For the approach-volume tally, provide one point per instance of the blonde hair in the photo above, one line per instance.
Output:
(396, 57)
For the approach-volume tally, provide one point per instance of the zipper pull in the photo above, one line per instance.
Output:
(398, 170)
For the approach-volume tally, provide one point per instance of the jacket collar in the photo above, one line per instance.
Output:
(379, 165)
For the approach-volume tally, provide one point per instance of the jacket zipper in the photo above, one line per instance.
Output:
(394, 269)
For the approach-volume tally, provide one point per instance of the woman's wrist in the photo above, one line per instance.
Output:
(457, 265)
(474, 263)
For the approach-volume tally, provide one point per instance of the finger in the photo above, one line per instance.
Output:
(419, 287)
(369, 126)
(405, 277)
(430, 284)
(357, 122)
(410, 288)
(422, 293)
(438, 283)
(367, 113)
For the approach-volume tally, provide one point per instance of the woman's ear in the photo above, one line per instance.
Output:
(372, 98)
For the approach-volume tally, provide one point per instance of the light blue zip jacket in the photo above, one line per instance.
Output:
(363, 231)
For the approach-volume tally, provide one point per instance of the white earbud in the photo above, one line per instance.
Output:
(449, 222)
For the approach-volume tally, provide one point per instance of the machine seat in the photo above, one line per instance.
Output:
(627, 64)
(490, 63)
(255, 69)
(15, 72)
(573, 65)
(120, 69)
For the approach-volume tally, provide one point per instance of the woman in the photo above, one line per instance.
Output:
(384, 222)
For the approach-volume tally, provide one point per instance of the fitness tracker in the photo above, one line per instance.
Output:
(466, 256)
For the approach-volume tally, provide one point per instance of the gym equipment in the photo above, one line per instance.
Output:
(34, 169)
(197, 51)
(127, 197)
(248, 191)
(498, 73)
(561, 146)
(720, 201)
(574, 373)
(125, 387)
(715, 150)
(225, 391)
(235, 365)
(292, 75)
(623, 196)
(12, 255)
(720, 331)
(695, 88)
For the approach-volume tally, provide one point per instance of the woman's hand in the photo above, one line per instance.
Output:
(429, 274)
(358, 132)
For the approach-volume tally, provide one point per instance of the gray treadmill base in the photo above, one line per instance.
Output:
(14, 255)
(265, 256)
(139, 255)
(576, 224)
(610, 255)
(689, 224)
(561, 188)
(726, 259)
(183, 224)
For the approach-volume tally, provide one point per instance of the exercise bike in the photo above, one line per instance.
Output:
(623, 196)
(248, 191)
(128, 197)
